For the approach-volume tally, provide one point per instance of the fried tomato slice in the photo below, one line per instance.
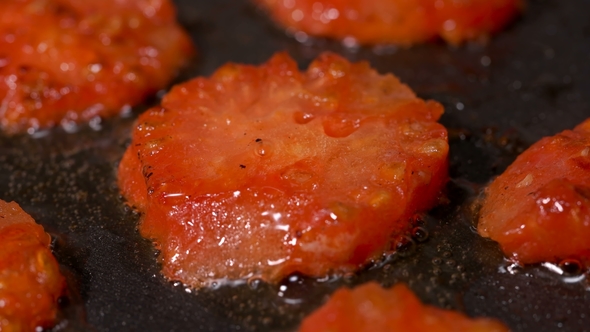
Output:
(371, 308)
(402, 22)
(68, 61)
(264, 171)
(538, 210)
(30, 281)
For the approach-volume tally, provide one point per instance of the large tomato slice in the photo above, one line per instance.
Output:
(401, 22)
(370, 308)
(69, 61)
(263, 171)
(30, 281)
(539, 208)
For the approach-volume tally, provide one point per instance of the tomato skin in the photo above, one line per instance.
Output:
(539, 208)
(402, 22)
(264, 171)
(64, 62)
(27, 270)
(372, 308)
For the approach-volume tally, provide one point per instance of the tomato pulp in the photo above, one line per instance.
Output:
(64, 62)
(30, 281)
(539, 208)
(402, 22)
(371, 308)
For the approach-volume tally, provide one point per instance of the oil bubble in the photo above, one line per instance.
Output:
(451, 262)
(405, 247)
(420, 234)
(254, 282)
(570, 266)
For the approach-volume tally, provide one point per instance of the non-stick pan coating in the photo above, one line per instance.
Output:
(531, 80)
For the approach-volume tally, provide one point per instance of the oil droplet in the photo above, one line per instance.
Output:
(338, 126)
(303, 117)
(262, 149)
(293, 288)
(295, 278)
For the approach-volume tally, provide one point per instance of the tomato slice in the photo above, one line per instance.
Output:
(403, 22)
(68, 61)
(264, 171)
(539, 208)
(30, 281)
(370, 308)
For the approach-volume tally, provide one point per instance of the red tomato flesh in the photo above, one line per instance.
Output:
(69, 61)
(264, 171)
(30, 281)
(371, 308)
(402, 22)
(539, 208)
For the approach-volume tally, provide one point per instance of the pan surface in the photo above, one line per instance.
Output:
(530, 81)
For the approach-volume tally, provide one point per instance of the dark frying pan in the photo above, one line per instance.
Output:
(531, 80)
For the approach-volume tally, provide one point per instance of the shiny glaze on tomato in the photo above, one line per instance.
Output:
(64, 62)
(371, 308)
(30, 281)
(538, 210)
(264, 171)
(402, 22)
